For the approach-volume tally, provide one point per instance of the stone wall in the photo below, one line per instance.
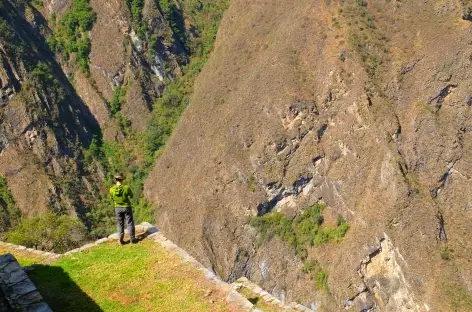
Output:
(17, 292)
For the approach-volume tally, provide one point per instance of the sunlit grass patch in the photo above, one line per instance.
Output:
(109, 277)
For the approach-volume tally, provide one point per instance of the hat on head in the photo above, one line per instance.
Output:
(119, 176)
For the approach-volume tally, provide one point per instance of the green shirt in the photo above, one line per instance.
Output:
(121, 194)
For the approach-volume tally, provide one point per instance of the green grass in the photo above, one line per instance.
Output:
(115, 278)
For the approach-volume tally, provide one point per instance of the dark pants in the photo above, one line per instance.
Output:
(121, 214)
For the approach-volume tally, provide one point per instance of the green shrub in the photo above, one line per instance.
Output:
(116, 103)
(43, 78)
(143, 211)
(305, 229)
(467, 10)
(446, 253)
(71, 35)
(100, 219)
(364, 37)
(271, 225)
(49, 232)
(322, 280)
(136, 8)
(310, 266)
(174, 17)
(9, 213)
(93, 151)
(166, 113)
(251, 183)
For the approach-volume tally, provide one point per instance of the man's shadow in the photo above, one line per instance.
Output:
(59, 291)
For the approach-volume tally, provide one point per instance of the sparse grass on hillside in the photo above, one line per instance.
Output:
(365, 38)
(49, 232)
(115, 278)
(305, 229)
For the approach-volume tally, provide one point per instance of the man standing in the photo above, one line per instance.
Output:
(121, 195)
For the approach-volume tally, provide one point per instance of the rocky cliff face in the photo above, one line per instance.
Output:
(123, 57)
(364, 105)
(63, 83)
(43, 123)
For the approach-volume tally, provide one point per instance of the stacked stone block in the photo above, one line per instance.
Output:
(17, 291)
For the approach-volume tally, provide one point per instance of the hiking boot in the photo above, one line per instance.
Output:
(134, 241)
(122, 242)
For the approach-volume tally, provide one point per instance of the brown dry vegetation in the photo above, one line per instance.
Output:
(382, 135)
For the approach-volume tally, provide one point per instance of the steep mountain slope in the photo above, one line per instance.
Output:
(364, 105)
(89, 88)
(122, 56)
(43, 123)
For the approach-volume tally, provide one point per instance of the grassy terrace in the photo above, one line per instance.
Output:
(109, 277)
